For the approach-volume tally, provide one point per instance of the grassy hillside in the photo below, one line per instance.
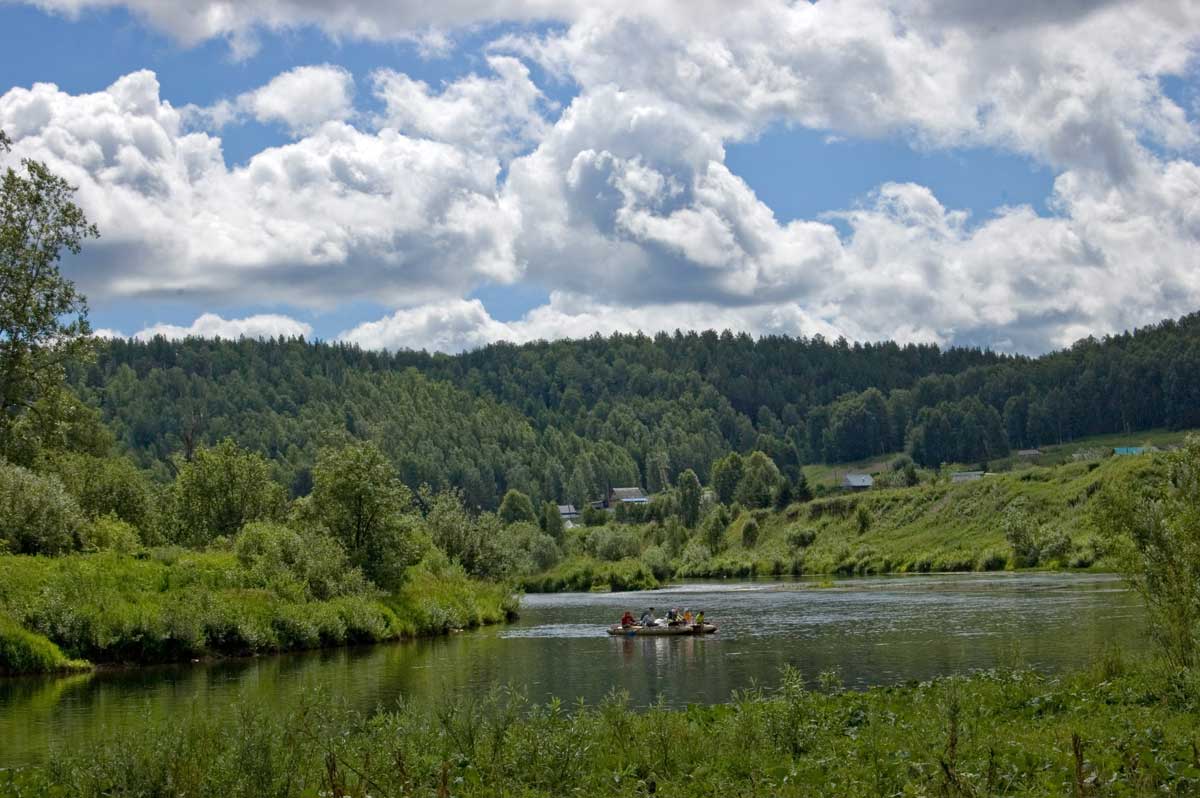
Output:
(937, 526)
(828, 476)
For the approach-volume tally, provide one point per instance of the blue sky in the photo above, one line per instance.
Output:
(608, 173)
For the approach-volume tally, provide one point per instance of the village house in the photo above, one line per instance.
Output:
(1029, 453)
(625, 496)
(568, 514)
(966, 476)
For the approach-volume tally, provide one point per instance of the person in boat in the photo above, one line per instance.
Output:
(687, 616)
(700, 618)
(627, 619)
(673, 617)
(648, 617)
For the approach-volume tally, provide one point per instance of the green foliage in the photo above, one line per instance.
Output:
(585, 573)
(107, 486)
(800, 537)
(22, 651)
(750, 532)
(300, 565)
(862, 519)
(688, 486)
(473, 541)
(110, 533)
(760, 477)
(1008, 733)
(552, 522)
(713, 530)
(359, 500)
(176, 605)
(725, 477)
(220, 490)
(515, 508)
(613, 543)
(43, 318)
(1020, 535)
(37, 515)
(1154, 528)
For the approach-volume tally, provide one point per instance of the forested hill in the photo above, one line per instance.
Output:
(567, 419)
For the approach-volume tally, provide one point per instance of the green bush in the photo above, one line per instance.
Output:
(800, 537)
(110, 533)
(750, 533)
(37, 515)
(22, 651)
(300, 565)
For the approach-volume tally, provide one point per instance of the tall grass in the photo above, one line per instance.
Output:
(176, 605)
(22, 651)
(1107, 731)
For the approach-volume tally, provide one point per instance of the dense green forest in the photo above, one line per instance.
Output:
(566, 420)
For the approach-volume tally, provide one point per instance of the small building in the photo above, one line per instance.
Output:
(966, 476)
(858, 481)
(1119, 450)
(568, 513)
(626, 496)
(1029, 453)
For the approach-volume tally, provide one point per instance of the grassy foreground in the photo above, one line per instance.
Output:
(178, 605)
(1107, 731)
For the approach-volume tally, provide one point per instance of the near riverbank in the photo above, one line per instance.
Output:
(1113, 729)
(62, 613)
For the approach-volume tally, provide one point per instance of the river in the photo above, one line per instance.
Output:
(875, 630)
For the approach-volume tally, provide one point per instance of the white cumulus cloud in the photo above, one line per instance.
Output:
(210, 325)
(301, 99)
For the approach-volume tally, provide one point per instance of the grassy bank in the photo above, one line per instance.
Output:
(1107, 731)
(176, 605)
(938, 526)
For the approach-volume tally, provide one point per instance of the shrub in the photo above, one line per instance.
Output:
(658, 562)
(613, 543)
(37, 515)
(296, 565)
(22, 651)
(110, 533)
(219, 491)
(1055, 547)
(800, 537)
(862, 519)
(750, 533)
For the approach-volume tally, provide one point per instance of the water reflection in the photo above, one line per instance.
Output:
(878, 630)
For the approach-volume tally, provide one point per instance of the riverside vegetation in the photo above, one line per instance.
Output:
(1118, 728)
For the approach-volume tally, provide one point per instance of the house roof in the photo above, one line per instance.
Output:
(627, 495)
(567, 509)
(858, 480)
(1029, 452)
(1128, 449)
(966, 474)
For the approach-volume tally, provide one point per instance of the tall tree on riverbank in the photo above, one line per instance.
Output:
(43, 318)
(1155, 532)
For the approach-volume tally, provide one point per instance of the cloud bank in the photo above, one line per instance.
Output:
(621, 203)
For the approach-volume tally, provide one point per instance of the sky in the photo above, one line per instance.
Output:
(441, 176)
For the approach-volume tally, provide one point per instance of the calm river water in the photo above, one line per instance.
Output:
(880, 630)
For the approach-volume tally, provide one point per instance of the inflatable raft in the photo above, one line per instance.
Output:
(653, 631)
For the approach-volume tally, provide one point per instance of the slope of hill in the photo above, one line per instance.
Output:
(566, 420)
